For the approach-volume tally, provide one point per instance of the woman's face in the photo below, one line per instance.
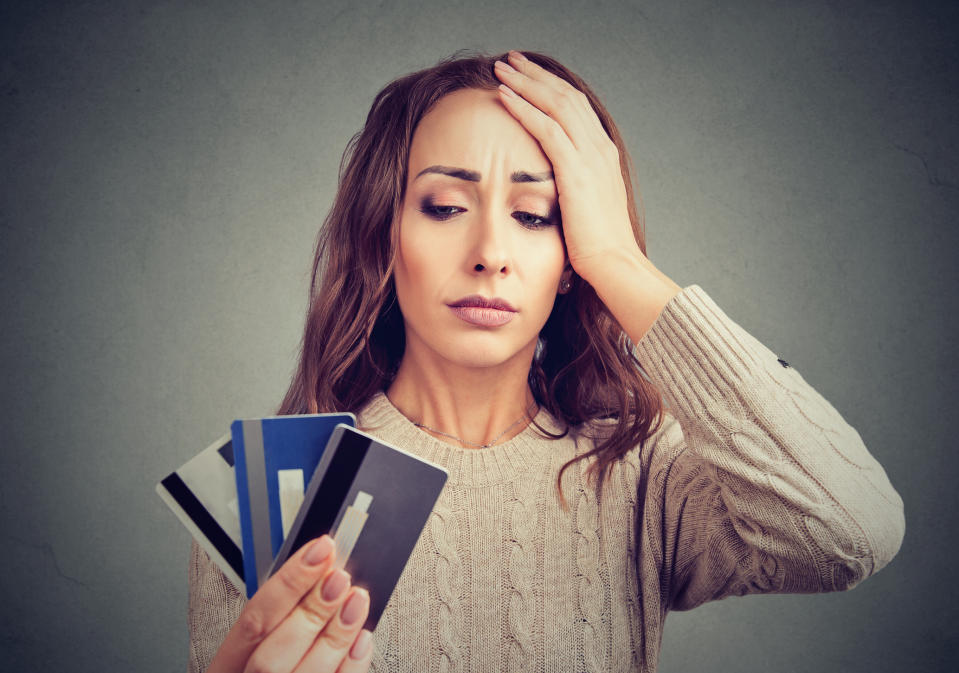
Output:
(479, 224)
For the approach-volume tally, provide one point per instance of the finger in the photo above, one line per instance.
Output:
(286, 645)
(537, 72)
(272, 603)
(340, 633)
(601, 138)
(547, 100)
(361, 654)
(545, 129)
(554, 96)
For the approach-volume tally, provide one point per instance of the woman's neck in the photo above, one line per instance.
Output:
(464, 406)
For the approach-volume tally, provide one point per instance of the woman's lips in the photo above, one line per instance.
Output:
(482, 316)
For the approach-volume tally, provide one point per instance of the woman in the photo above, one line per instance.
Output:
(465, 321)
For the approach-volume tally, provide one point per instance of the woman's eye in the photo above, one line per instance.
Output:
(439, 212)
(531, 220)
(528, 220)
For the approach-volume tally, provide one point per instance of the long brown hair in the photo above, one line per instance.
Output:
(584, 369)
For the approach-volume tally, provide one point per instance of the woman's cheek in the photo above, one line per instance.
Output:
(548, 254)
(422, 255)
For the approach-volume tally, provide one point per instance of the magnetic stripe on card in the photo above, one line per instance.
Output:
(204, 521)
(259, 498)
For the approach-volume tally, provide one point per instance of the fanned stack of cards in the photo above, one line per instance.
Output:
(255, 496)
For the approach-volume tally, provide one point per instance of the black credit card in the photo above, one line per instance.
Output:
(374, 499)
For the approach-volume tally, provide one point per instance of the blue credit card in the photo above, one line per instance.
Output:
(275, 458)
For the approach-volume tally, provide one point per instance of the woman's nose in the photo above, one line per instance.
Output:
(491, 248)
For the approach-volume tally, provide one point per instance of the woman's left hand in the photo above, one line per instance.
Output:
(592, 194)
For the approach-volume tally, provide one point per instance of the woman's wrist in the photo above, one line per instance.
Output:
(633, 289)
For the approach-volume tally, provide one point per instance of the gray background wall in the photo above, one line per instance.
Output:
(165, 166)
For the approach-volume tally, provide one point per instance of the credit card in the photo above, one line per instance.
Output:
(202, 495)
(374, 499)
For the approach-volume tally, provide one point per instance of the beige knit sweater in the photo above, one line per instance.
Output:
(754, 484)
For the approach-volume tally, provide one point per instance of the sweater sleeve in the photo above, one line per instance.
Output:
(761, 486)
(215, 604)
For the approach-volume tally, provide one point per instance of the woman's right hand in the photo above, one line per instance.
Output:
(304, 618)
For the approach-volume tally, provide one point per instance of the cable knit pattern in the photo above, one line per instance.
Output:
(449, 576)
(520, 571)
(753, 484)
(627, 474)
(588, 581)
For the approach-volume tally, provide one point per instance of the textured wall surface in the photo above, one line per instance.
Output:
(164, 167)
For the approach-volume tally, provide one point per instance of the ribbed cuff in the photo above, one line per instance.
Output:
(699, 357)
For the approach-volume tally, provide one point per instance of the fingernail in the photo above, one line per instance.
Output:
(335, 584)
(505, 67)
(355, 607)
(518, 56)
(362, 645)
(509, 92)
(320, 550)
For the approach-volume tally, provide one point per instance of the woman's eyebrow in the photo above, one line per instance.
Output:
(474, 176)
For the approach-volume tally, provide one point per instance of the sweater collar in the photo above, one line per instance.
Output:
(467, 467)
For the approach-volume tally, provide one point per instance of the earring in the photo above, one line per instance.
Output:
(565, 285)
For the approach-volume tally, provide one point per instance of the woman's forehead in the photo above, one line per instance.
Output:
(471, 128)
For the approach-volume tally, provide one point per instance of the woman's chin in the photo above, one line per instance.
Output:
(487, 354)
(484, 359)
(491, 350)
